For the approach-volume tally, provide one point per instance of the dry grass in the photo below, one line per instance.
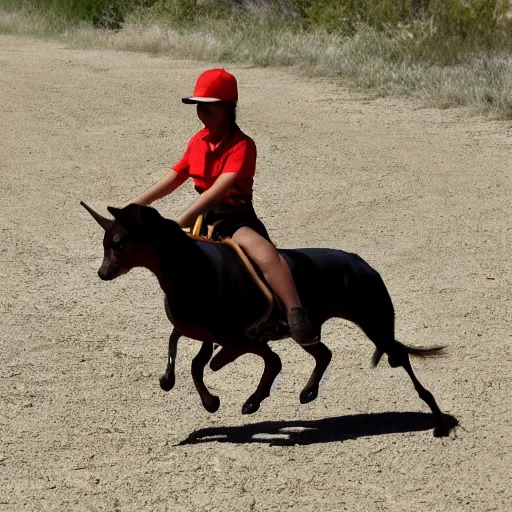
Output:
(385, 63)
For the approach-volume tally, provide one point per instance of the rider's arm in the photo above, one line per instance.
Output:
(163, 187)
(169, 182)
(207, 199)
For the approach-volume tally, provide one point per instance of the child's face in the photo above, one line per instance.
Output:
(212, 115)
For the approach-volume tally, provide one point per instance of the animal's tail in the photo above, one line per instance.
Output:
(413, 351)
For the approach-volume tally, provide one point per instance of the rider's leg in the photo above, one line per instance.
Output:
(280, 279)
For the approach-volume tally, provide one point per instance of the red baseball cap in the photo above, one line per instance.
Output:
(214, 85)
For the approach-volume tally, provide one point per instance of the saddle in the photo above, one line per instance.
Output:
(264, 328)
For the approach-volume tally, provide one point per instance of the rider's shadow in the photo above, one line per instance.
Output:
(327, 430)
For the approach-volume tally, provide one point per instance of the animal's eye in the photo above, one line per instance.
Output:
(118, 244)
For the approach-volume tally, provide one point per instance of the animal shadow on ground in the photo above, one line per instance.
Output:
(327, 430)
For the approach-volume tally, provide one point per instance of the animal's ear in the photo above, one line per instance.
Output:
(113, 211)
(136, 219)
(128, 217)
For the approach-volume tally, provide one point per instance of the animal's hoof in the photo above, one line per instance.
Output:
(212, 403)
(167, 382)
(308, 395)
(441, 430)
(445, 425)
(250, 407)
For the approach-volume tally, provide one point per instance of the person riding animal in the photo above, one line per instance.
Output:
(221, 160)
(331, 283)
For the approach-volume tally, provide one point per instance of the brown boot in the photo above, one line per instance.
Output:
(301, 329)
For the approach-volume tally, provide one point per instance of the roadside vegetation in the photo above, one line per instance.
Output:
(445, 52)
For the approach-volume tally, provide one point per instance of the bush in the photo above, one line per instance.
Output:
(478, 20)
(175, 11)
(106, 14)
(345, 15)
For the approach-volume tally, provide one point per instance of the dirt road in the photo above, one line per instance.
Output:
(424, 195)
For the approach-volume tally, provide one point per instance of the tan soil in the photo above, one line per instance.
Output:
(424, 195)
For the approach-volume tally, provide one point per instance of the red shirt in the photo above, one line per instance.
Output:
(204, 166)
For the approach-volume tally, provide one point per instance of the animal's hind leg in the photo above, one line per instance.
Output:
(381, 332)
(322, 357)
(272, 368)
(441, 429)
(168, 379)
(210, 402)
(399, 356)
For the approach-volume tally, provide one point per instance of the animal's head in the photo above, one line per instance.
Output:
(129, 239)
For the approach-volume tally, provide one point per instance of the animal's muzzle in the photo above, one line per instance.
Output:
(108, 272)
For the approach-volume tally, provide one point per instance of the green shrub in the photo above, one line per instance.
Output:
(478, 20)
(107, 14)
(343, 15)
(460, 27)
(175, 11)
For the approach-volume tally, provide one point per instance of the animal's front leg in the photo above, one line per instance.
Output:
(272, 368)
(224, 356)
(210, 402)
(168, 379)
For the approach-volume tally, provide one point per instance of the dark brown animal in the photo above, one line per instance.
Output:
(210, 297)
